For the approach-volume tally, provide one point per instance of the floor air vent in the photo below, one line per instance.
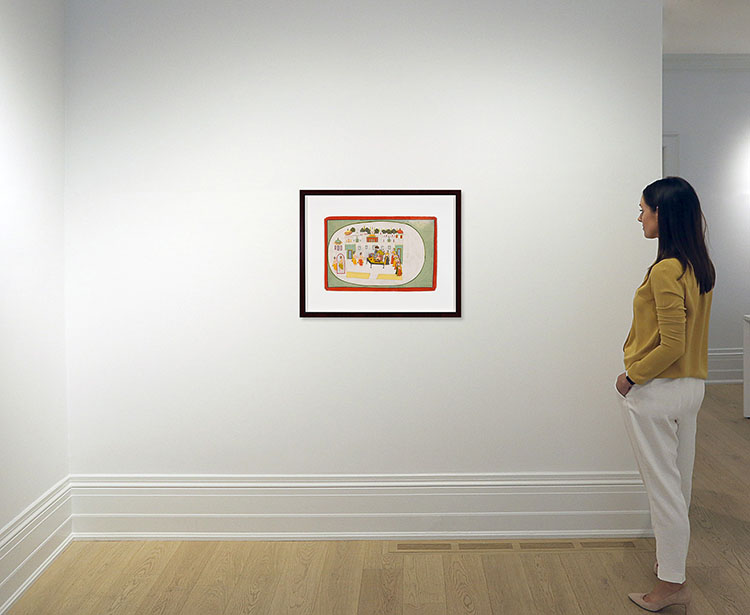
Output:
(522, 546)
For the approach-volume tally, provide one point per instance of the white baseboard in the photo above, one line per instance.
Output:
(706, 61)
(359, 507)
(30, 542)
(725, 365)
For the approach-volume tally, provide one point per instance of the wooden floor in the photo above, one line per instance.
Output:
(378, 577)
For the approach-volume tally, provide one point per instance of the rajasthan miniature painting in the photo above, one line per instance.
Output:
(380, 254)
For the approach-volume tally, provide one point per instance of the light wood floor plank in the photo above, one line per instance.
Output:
(171, 589)
(591, 584)
(626, 572)
(726, 401)
(728, 536)
(716, 555)
(552, 592)
(215, 586)
(341, 579)
(131, 583)
(721, 441)
(302, 568)
(715, 588)
(381, 591)
(465, 585)
(89, 580)
(424, 585)
(259, 580)
(375, 552)
(508, 587)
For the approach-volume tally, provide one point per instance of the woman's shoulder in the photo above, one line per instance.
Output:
(671, 273)
(668, 267)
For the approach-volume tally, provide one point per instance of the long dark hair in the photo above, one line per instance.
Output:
(682, 228)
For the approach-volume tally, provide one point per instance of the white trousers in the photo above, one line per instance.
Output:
(660, 418)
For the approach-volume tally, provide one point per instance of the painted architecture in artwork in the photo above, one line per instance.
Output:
(376, 253)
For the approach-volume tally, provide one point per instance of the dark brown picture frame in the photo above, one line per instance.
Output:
(313, 224)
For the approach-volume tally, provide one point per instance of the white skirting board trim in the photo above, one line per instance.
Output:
(30, 542)
(706, 61)
(361, 507)
(725, 365)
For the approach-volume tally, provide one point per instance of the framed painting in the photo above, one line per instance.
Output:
(380, 253)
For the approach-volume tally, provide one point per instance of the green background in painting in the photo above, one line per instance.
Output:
(426, 230)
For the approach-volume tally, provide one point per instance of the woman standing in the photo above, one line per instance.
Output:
(666, 362)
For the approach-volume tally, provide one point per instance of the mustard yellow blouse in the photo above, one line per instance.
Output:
(669, 334)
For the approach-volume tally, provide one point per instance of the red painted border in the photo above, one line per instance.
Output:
(370, 289)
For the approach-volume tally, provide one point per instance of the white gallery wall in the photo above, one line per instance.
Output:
(33, 422)
(706, 103)
(33, 418)
(191, 128)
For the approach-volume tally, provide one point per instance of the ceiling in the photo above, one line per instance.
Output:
(707, 26)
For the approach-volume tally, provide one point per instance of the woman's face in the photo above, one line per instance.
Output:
(649, 218)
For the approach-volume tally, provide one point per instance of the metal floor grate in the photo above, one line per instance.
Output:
(521, 546)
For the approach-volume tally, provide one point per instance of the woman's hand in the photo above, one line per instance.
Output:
(622, 384)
